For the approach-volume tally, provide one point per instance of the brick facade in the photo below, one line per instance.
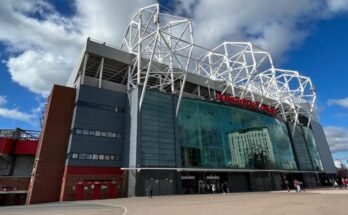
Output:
(51, 154)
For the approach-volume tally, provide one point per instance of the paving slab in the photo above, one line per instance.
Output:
(314, 201)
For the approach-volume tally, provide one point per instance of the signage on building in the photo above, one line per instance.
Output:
(187, 177)
(246, 103)
(213, 177)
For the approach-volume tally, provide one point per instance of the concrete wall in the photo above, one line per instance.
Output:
(23, 165)
(6, 162)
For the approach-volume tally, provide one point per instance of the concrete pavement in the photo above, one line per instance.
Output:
(317, 201)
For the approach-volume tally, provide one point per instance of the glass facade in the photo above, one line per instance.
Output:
(301, 149)
(157, 130)
(312, 148)
(221, 136)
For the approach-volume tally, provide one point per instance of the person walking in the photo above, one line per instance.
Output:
(213, 188)
(286, 182)
(150, 189)
(297, 185)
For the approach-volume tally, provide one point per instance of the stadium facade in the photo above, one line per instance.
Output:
(165, 114)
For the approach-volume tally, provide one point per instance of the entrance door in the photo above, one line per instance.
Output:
(166, 187)
(79, 191)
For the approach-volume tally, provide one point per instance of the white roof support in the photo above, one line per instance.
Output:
(165, 52)
(161, 38)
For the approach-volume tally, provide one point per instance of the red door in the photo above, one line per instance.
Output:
(96, 191)
(79, 191)
(112, 190)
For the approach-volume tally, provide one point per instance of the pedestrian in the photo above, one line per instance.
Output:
(150, 192)
(297, 185)
(213, 188)
(286, 182)
(335, 183)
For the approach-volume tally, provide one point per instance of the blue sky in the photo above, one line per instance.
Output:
(40, 42)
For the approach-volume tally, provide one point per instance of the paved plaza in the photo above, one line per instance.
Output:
(318, 201)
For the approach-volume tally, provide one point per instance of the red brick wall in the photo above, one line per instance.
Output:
(16, 183)
(51, 154)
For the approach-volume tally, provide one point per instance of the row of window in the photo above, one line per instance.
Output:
(84, 156)
(101, 106)
(89, 132)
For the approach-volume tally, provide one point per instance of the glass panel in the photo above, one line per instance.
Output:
(313, 150)
(82, 156)
(301, 150)
(222, 136)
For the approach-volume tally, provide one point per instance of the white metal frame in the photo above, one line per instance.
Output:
(165, 51)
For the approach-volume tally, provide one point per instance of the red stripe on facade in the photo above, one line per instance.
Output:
(81, 170)
(6, 145)
(26, 147)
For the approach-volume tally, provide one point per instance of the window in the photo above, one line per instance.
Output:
(107, 157)
(112, 157)
(101, 157)
(82, 156)
(95, 157)
(74, 155)
(89, 132)
(109, 134)
(89, 156)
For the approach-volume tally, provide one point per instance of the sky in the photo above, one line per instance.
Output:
(41, 41)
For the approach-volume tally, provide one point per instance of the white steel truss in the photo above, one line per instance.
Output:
(165, 52)
(163, 45)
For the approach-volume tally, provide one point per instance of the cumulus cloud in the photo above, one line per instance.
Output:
(31, 29)
(277, 26)
(3, 100)
(340, 102)
(338, 5)
(37, 70)
(337, 138)
(15, 114)
(44, 45)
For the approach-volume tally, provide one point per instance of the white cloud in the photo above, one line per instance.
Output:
(31, 29)
(337, 138)
(340, 102)
(15, 113)
(37, 70)
(3, 100)
(44, 50)
(277, 26)
(338, 5)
